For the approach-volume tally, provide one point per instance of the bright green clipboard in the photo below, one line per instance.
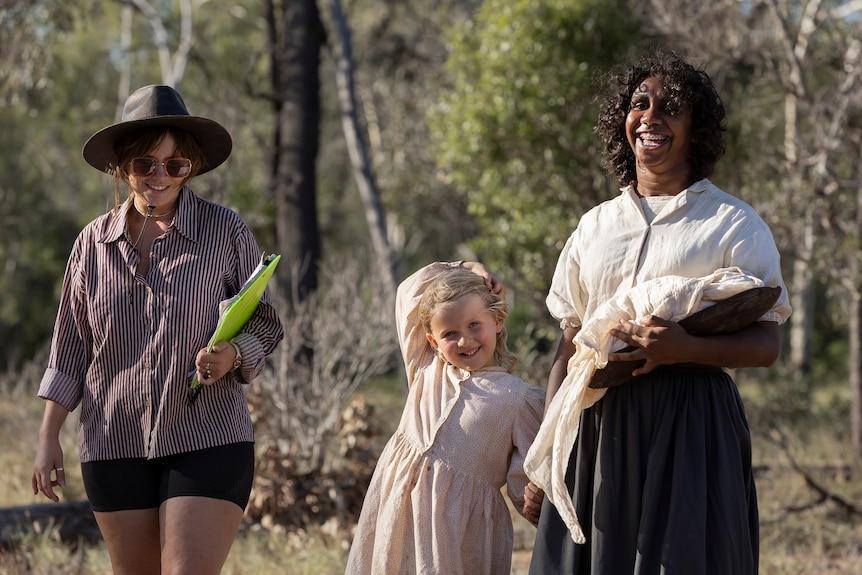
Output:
(235, 312)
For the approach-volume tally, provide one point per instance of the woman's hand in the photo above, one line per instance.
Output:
(49, 455)
(215, 364)
(658, 341)
(491, 281)
(663, 342)
(48, 462)
(533, 497)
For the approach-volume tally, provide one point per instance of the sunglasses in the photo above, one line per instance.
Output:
(174, 167)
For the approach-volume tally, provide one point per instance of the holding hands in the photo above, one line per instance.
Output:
(533, 497)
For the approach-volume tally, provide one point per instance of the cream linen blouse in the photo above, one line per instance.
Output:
(702, 229)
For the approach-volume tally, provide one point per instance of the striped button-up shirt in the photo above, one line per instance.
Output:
(124, 345)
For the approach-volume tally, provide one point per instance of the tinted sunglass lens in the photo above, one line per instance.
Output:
(178, 168)
(143, 166)
(174, 167)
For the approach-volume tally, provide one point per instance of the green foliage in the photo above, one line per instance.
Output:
(47, 191)
(38, 229)
(514, 132)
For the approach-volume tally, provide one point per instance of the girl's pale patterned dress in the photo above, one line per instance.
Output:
(435, 505)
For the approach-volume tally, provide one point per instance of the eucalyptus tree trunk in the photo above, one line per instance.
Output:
(802, 292)
(802, 295)
(855, 376)
(855, 337)
(341, 51)
(296, 36)
(802, 300)
(173, 66)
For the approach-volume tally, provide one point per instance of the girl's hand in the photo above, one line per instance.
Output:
(491, 281)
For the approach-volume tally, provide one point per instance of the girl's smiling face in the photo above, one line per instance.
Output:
(659, 132)
(465, 332)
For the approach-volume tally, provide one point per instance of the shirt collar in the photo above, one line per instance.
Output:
(681, 198)
(185, 222)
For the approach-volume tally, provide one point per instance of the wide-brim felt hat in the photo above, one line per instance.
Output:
(158, 106)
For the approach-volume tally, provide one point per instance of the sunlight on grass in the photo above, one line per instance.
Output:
(800, 535)
(260, 551)
(19, 427)
(43, 555)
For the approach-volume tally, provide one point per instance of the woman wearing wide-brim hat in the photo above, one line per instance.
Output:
(167, 472)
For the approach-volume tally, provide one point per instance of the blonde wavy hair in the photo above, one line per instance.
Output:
(455, 284)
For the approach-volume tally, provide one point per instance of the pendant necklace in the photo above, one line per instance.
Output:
(147, 217)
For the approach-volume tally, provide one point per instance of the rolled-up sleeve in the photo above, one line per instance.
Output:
(260, 336)
(63, 380)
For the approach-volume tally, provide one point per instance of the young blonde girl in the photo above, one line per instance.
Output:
(435, 502)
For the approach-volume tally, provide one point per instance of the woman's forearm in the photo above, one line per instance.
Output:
(565, 350)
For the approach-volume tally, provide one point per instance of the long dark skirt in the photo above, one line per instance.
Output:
(662, 483)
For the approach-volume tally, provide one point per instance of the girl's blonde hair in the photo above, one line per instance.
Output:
(455, 284)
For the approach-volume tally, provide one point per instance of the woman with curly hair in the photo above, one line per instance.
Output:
(658, 478)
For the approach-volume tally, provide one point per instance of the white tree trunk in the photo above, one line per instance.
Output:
(802, 301)
(362, 169)
(855, 339)
(173, 66)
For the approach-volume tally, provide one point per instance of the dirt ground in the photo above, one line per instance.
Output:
(521, 562)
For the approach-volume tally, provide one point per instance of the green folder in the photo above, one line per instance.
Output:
(235, 312)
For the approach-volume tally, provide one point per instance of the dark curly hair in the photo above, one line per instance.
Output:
(686, 86)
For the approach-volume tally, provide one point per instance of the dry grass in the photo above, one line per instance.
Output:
(799, 535)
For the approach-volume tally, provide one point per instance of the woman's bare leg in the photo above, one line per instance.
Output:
(197, 534)
(132, 539)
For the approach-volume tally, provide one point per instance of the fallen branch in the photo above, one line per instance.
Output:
(70, 521)
(824, 494)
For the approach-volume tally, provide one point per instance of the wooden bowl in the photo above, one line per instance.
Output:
(725, 316)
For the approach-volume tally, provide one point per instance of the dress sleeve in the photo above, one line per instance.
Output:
(415, 349)
(524, 430)
(564, 299)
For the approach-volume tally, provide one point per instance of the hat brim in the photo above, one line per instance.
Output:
(214, 140)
